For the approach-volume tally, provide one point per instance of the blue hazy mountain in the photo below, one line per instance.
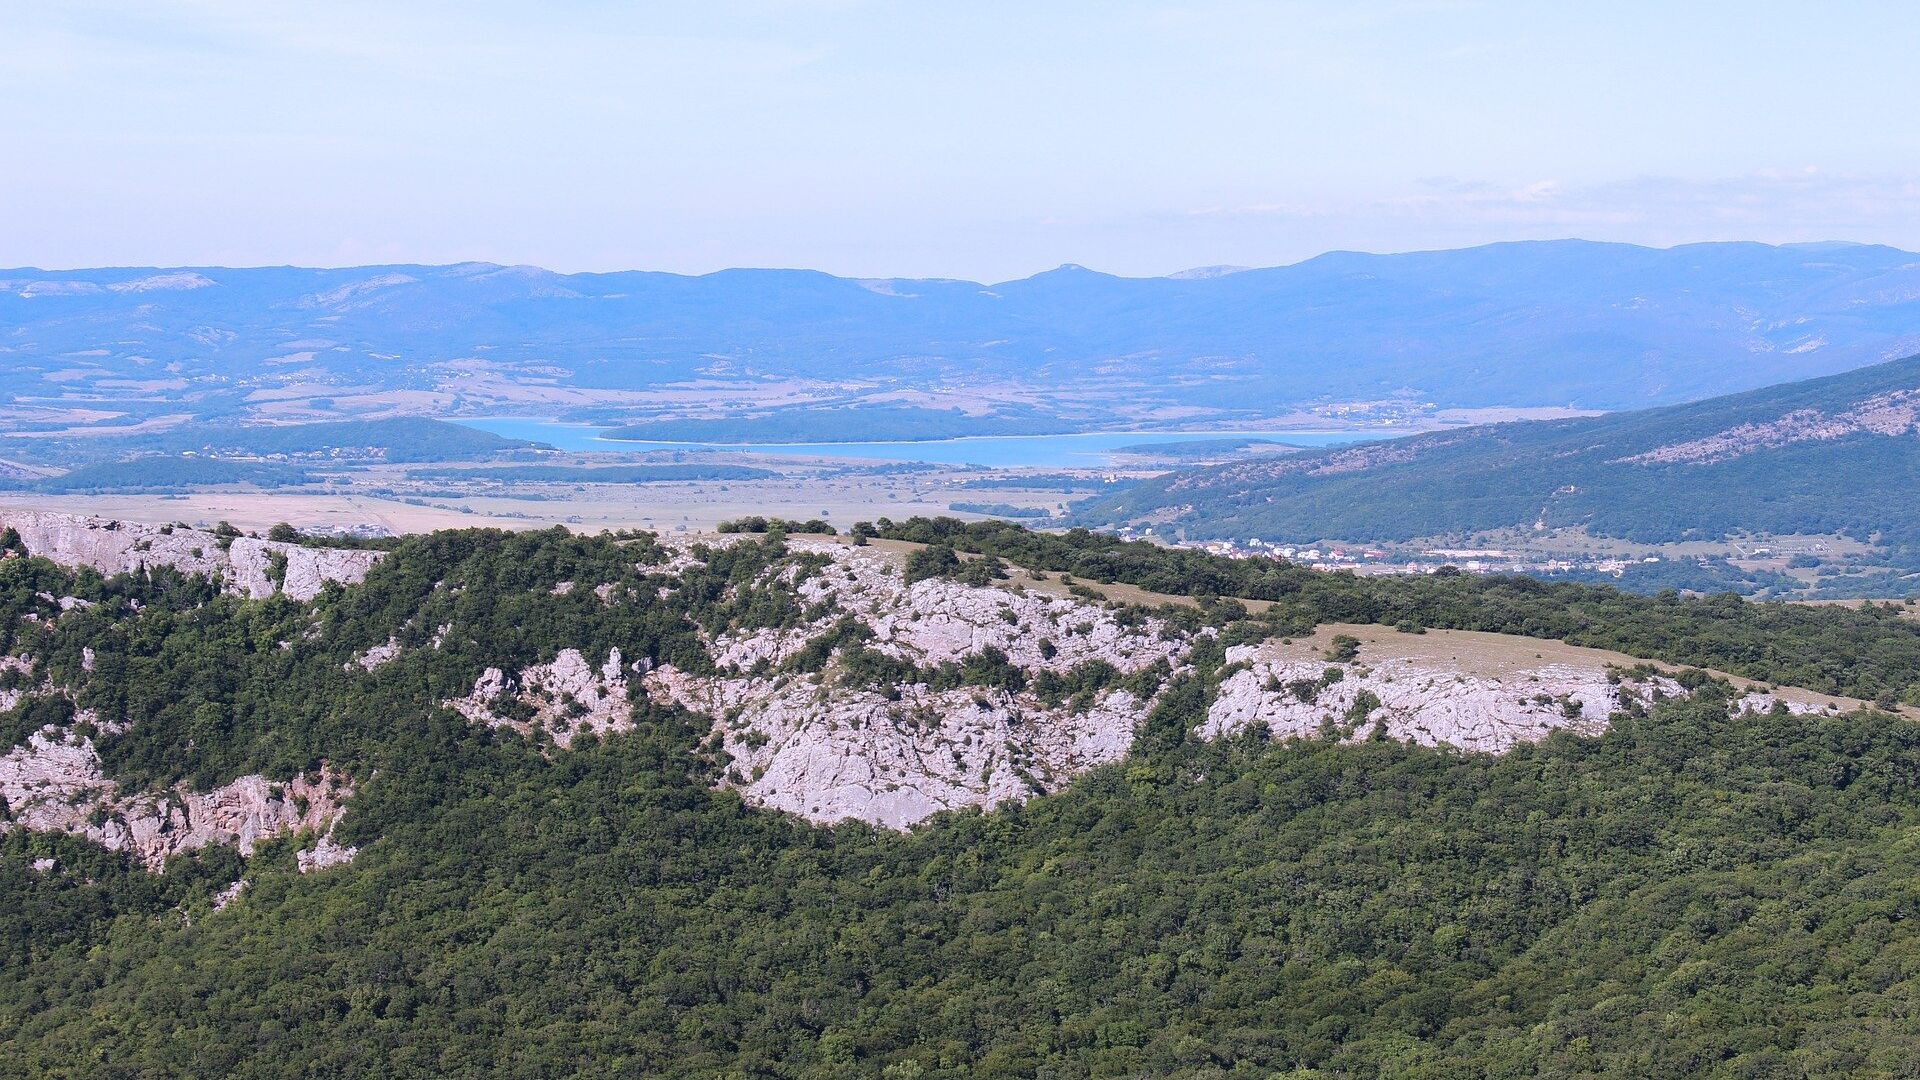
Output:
(1554, 323)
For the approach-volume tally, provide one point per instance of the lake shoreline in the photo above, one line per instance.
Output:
(1089, 449)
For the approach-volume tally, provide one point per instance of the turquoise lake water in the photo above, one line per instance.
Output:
(1054, 451)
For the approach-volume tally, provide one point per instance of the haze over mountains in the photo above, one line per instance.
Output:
(1603, 326)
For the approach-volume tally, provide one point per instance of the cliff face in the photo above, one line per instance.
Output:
(246, 565)
(564, 698)
(828, 746)
(1416, 702)
(53, 783)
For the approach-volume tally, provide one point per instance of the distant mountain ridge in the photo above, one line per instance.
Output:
(1549, 323)
(1839, 454)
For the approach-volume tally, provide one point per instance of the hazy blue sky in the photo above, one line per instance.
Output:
(968, 138)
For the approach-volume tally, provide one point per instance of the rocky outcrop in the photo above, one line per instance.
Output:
(324, 855)
(828, 750)
(1896, 412)
(54, 783)
(11, 697)
(248, 566)
(374, 656)
(871, 699)
(563, 697)
(1374, 455)
(1429, 704)
(1757, 702)
(937, 620)
(1435, 702)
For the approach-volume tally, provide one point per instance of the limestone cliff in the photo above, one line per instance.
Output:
(246, 565)
(54, 783)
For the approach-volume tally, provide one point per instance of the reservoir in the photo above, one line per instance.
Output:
(1083, 449)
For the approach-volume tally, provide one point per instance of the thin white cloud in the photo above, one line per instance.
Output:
(1803, 203)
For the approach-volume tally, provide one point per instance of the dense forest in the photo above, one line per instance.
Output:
(1688, 894)
(397, 439)
(199, 456)
(157, 473)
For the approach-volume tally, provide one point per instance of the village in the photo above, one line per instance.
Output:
(1388, 560)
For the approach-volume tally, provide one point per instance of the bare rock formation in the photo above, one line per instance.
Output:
(828, 751)
(247, 566)
(376, 655)
(54, 783)
(1420, 697)
(325, 854)
(1896, 412)
(937, 620)
(1758, 702)
(563, 697)
(1415, 701)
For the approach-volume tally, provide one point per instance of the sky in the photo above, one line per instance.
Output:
(968, 138)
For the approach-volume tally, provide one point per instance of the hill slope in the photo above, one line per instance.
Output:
(510, 806)
(1839, 454)
(1597, 325)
